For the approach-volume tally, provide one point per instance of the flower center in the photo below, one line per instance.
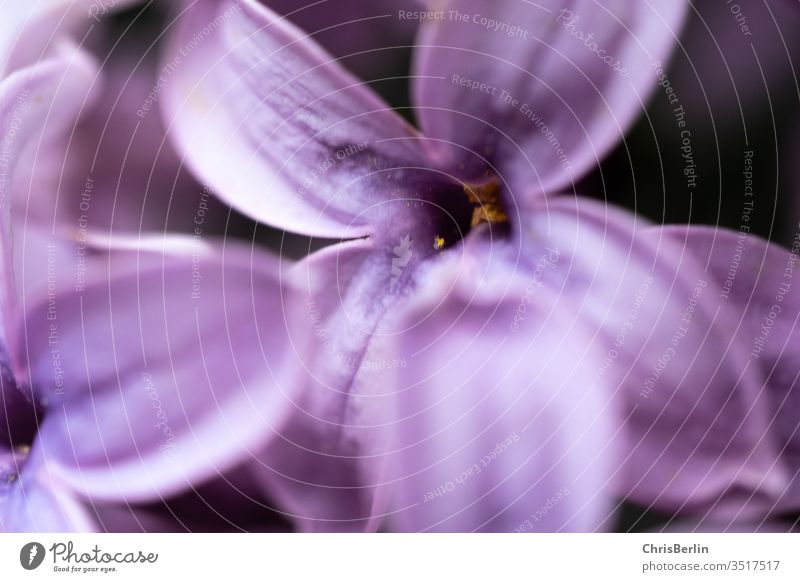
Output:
(449, 208)
(486, 200)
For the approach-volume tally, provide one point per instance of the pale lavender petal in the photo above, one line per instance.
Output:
(697, 413)
(499, 428)
(32, 499)
(115, 170)
(325, 472)
(165, 377)
(35, 104)
(524, 86)
(30, 31)
(280, 130)
(758, 281)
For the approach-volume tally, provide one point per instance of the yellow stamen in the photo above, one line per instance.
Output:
(486, 198)
(438, 243)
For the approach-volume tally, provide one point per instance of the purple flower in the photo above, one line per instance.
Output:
(487, 356)
(113, 171)
(130, 374)
(478, 349)
(30, 28)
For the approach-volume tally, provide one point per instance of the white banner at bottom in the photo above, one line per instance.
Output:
(401, 557)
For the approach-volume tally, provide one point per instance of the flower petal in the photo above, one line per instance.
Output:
(115, 170)
(30, 30)
(165, 377)
(757, 281)
(498, 430)
(538, 89)
(33, 500)
(325, 471)
(28, 100)
(279, 129)
(697, 414)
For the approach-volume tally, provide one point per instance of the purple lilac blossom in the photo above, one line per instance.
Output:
(144, 376)
(438, 339)
(519, 372)
(113, 171)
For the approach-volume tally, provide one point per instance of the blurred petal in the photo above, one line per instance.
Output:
(325, 471)
(697, 413)
(757, 282)
(538, 88)
(34, 103)
(116, 170)
(165, 377)
(280, 130)
(32, 500)
(30, 30)
(498, 430)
